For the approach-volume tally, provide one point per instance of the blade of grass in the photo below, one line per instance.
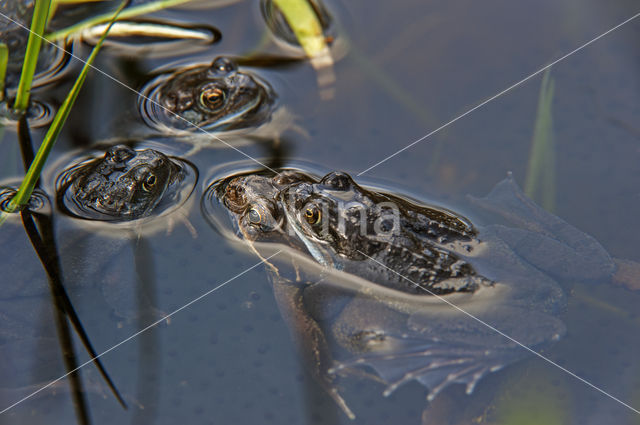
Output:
(33, 174)
(307, 28)
(4, 60)
(540, 184)
(305, 25)
(100, 19)
(38, 22)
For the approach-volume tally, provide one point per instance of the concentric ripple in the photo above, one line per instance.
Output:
(39, 114)
(38, 202)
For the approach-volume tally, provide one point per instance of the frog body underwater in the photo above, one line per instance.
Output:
(413, 291)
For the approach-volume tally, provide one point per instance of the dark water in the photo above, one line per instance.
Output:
(409, 67)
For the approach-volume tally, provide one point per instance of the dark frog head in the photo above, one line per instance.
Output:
(214, 97)
(124, 184)
(345, 226)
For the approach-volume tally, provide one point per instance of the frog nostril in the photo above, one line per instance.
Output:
(222, 66)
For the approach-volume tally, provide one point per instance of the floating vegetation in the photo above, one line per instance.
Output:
(308, 23)
(129, 12)
(152, 38)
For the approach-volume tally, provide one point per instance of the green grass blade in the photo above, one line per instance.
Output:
(100, 19)
(540, 184)
(26, 188)
(4, 60)
(305, 25)
(38, 22)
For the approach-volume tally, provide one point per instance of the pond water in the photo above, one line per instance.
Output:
(402, 70)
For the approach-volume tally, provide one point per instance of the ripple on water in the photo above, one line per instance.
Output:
(39, 114)
(38, 202)
(53, 61)
(124, 184)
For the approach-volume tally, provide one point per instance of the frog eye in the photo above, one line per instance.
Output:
(149, 182)
(312, 215)
(254, 216)
(212, 98)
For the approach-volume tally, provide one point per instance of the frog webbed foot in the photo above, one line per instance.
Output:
(440, 349)
(433, 366)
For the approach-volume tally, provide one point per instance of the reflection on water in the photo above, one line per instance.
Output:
(151, 38)
(229, 358)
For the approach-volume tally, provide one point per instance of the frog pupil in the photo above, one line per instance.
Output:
(312, 215)
(149, 182)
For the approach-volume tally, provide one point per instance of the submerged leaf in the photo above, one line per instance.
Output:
(540, 184)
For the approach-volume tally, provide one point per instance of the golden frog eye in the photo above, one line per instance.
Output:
(254, 216)
(312, 215)
(212, 98)
(149, 182)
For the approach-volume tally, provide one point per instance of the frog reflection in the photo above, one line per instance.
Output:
(212, 97)
(435, 285)
(124, 184)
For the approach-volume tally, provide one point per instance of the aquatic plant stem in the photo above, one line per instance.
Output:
(38, 23)
(33, 174)
(4, 61)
